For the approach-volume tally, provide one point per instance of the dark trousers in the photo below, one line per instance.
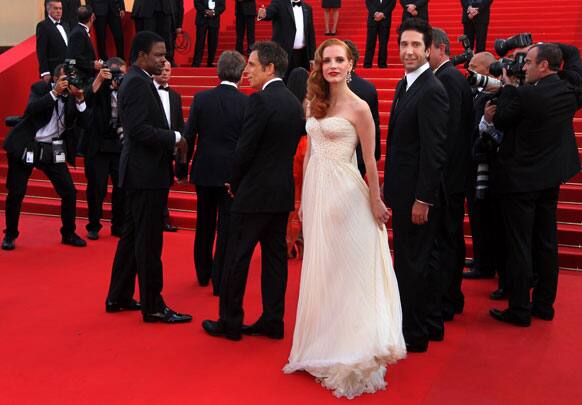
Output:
(297, 58)
(139, 251)
(201, 31)
(476, 32)
(114, 22)
(245, 232)
(98, 169)
(381, 32)
(414, 266)
(245, 22)
(531, 232)
(452, 253)
(166, 210)
(16, 182)
(212, 212)
(160, 24)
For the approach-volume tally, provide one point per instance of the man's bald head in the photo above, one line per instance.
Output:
(480, 62)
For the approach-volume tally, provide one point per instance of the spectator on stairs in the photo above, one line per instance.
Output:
(52, 39)
(207, 22)
(476, 22)
(246, 11)
(414, 9)
(331, 7)
(379, 21)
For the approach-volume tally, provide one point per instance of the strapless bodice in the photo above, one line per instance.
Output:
(332, 138)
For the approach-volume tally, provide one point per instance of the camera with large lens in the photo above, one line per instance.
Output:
(467, 55)
(488, 83)
(503, 46)
(116, 73)
(72, 74)
(514, 67)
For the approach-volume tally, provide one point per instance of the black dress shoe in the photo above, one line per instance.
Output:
(546, 315)
(367, 66)
(73, 240)
(436, 336)
(476, 273)
(8, 243)
(416, 348)
(499, 294)
(257, 329)
(170, 228)
(196, 65)
(210, 65)
(132, 305)
(383, 66)
(92, 235)
(469, 262)
(216, 329)
(509, 317)
(167, 316)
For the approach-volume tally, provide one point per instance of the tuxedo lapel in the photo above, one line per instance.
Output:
(305, 19)
(57, 32)
(290, 10)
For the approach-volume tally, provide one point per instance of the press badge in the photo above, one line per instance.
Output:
(29, 157)
(58, 151)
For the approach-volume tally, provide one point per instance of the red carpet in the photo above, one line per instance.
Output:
(59, 345)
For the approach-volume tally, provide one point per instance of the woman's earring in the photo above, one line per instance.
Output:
(349, 77)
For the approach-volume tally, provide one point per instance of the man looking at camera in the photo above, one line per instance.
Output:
(45, 139)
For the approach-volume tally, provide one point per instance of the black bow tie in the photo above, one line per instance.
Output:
(58, 23)
(296, 3)
(164, 88)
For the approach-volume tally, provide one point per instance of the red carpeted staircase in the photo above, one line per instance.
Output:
(559, 22)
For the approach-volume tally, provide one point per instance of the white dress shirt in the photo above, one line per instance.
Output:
(412, 76)
(61, 30)
(165, 97)
(229, 83)
(440, 66)
(86, 29)
(299, 42)
(56, 126)
(276, 79)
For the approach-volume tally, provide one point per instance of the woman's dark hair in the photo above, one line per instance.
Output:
(297, 83)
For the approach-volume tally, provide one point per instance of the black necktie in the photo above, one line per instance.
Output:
(296, 3)
(401, 92)
(164, 88)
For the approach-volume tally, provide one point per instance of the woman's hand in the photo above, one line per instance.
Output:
(300, 213)
(381, 213)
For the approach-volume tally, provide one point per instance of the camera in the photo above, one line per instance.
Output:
(467, 55)
(514, 67)
(503, 46)
(488, 83)
(484, 147)
(116, 73)
(12, 121)
(72, 74)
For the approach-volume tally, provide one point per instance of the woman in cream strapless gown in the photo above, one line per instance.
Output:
(349, 318)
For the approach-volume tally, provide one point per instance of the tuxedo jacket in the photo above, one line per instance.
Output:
(214, 126)
(539, 148)
(51, 49)
(146, 8)
(459, 128)
(178, 13)
(415, 154)
(38, 113)
(103, 7)
(367, 92)
(81, 49)
(201, 6)
(245, 7)
(386, 7)
(421, 8)
(262, 173)
(148, 143)
(280, 12)
(484, 7)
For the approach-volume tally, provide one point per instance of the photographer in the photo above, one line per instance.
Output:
(538, 153)
(45, 139)
(103, 147)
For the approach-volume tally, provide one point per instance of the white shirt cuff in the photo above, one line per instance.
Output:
(178, 136)
(484, 125)
(43, 74)
(81, 106)
(425, 203)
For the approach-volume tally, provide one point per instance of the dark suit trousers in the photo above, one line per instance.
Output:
(140, 250)
(97, 171)
(415, 271)
(452, 253)
(201, 39)
(16, 182)
(531, 231)
(114, 22)
(297, 58)
(245, 232)
(245, 22)
(382, 32)
(160, 24)
(212, 211)
(476, 31)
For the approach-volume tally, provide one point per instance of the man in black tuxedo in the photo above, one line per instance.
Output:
(45, 139)
(293, 29)
(476, 22)
(172, 103)
(245, 12)
(379, 20)
(214, 125)
(367, 92)
(537, 154)
(263, 188)
(80, 46)
(176, 24)
(413, 173)
(450, 240)
(145, 173)
(69, 8)
(108, 12)
(154, 16)
(52, 38)
(102, 144)
(207, 22)
(414, 9)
